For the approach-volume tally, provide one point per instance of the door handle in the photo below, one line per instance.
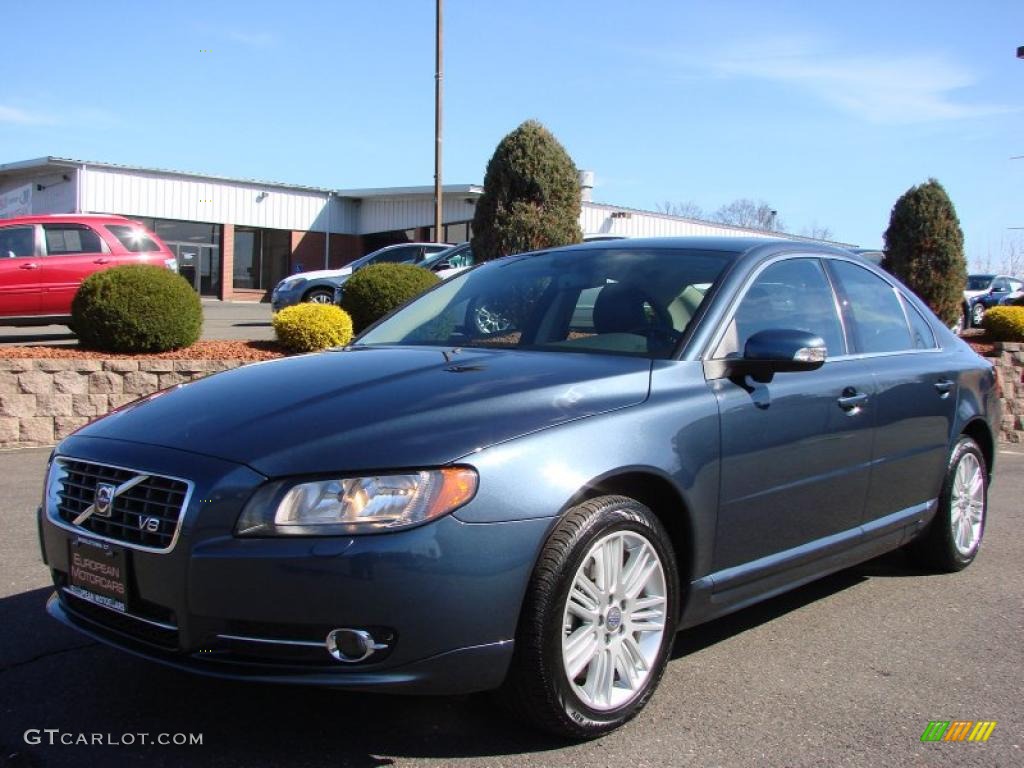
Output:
(943, 387)
(101, 261)
(851, 400)
(30, 265)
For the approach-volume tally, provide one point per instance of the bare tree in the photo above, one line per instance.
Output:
(818, 232)
(1012, 262)
(748, 213)
(686, 209)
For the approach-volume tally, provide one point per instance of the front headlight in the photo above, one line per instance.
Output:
(353, 505)
(290, 282)
(171, 264)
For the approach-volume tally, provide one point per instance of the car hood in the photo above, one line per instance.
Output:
(377, 408)
(974, 294)
(319, 274)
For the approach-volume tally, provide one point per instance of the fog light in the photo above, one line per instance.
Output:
(352, 645)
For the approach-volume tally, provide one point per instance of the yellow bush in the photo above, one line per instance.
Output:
(311, 327)
(1005, 323)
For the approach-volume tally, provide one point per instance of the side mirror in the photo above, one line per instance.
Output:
(780, 350)
(441, 265)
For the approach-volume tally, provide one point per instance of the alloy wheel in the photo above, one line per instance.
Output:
(967, 502)
(614, 620)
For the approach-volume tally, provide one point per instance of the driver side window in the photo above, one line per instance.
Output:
(793, 295)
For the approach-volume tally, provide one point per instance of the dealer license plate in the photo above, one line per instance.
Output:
(98, 573)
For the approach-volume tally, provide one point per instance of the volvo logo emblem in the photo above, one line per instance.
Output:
(104, 499)
(613, 620)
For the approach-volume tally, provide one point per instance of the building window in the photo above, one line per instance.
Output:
(261, 257)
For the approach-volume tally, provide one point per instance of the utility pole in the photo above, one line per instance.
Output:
(438, 85)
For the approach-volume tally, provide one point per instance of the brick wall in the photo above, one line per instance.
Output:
(43, 401)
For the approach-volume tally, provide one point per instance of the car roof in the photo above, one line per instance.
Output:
(74, 218)
(739, 247)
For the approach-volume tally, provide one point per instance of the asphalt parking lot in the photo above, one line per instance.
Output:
(847, 671)
(230, 320)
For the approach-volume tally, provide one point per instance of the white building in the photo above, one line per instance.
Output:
(236, 238)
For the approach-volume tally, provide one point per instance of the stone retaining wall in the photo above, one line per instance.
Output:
(1009, 362)
(43, 401)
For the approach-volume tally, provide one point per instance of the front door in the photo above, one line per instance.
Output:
(20, 268)
(796, 452)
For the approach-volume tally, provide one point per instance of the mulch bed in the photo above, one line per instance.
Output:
(202, 350)
(980, 342)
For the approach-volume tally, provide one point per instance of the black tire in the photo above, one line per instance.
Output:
(537, 688)
(320, 296)
(936, 548)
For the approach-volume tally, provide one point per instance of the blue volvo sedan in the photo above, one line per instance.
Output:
(658, 433)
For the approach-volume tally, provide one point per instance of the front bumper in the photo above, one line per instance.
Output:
(280, 299)
(445, 596)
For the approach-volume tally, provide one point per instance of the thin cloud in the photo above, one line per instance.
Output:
(17, 116)
(252, 39)
(907, 88)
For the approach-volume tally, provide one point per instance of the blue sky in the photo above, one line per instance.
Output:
(828, 111)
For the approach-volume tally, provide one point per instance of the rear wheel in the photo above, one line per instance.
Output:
(952, 540)
(598, 621)
(977, 315)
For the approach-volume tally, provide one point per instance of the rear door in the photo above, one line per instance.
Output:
(796, 452)
(916, 390)
(20, 268)
(72, 253)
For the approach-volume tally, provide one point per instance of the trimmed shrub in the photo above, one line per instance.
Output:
(311, 327)
(531, 196)
(375, 290)
(136, 308)
(924, 247)
(1005, 323)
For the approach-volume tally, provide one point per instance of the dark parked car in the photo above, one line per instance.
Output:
(986, 291)
(664, 431)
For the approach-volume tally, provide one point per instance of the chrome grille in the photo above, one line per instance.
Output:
(146, 515)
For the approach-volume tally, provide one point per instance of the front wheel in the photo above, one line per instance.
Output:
(952, 540)
(598, 621)
(319, 296)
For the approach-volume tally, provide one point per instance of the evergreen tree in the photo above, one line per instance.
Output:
(531, 196)
(924, 247)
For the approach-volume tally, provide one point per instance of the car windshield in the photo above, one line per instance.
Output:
(979, 282)
(616, 300)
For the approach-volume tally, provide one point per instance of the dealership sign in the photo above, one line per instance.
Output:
(17, 202)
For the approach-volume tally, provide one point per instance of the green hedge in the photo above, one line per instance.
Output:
(136, 308)
(1005, 323)
(374, 291)
(312, 327)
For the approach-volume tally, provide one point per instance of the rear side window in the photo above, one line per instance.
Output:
(792, 295)
(63, 239)
(921, 333)
(132, 238)
(17, 241)
(874, 309)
